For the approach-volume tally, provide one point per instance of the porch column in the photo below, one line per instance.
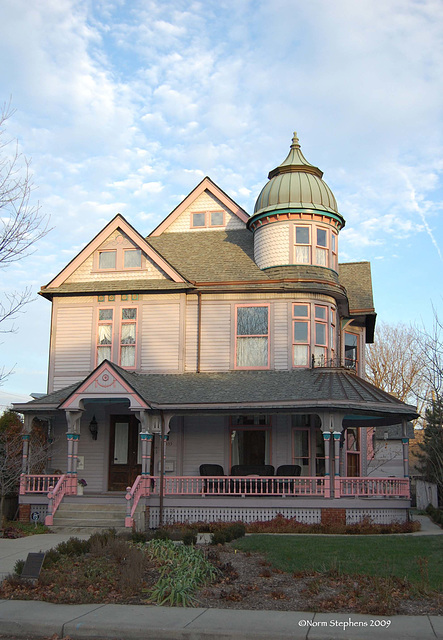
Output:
(336, 435)
(405, 443)
(25, 452)
(72, 435)
(146, 441)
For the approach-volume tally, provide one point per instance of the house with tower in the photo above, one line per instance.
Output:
(214, 370)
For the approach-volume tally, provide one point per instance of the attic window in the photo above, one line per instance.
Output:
(107, 259)
(132, 259)
(204, 219)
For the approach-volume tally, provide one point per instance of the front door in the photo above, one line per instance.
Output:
(124, 452)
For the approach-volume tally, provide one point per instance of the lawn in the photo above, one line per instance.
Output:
(418, 559)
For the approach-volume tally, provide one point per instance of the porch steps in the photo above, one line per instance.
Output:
(87, 518)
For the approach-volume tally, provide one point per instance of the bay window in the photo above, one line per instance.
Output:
(252, 337)
(301, 334)
(313, 333)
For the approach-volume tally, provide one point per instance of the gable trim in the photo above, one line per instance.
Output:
(118, 222)
(104, 382)
(205, 185)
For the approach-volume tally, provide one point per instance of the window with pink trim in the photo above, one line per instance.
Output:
(321, 249)
(252, 337)
(302, 245)
(128, 337)
(250, 438)
(320, 334)
(104, 335)
(202, 219)
(301, 334)
(351, 350)
(334, 240)
(352, 453)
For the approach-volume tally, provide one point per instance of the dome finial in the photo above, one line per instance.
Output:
(295, 142)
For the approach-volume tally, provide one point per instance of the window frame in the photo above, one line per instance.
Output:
(119, 252)
(120, 343)
(102, 252)
(303, 244)
(207, 214)
(242, 336)
(306, 320)
(103, 323)
(266, 427)
(355, 362)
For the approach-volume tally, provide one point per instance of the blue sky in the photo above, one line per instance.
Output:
(124, 106)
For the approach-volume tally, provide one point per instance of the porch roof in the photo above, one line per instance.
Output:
(301, 391)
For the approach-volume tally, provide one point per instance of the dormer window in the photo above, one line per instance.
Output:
(132, 259)
(119, 259)
(107, 259)
(206, 219)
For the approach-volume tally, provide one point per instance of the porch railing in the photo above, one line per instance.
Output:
(371, 487)
(37, 483)
(55, 496)
(140, 489)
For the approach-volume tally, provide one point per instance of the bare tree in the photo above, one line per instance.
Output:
(11, 448)
(394, 363)
(21, 222)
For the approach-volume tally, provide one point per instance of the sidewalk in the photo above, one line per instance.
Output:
(32, 619)
(25, 619)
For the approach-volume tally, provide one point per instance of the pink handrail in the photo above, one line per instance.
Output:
(141, 488)
(55, 496)
(372, 487)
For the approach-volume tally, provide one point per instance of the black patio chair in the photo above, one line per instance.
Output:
(212, 470)
(286, 486)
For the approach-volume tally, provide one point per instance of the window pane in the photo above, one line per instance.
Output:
(129, 314)
(106, 260)
(133, 258)
(302, 235)
(104, 334)
(252, 321)
(302, 254)
(103, 353)
(321, 257)
(128, 334)
(320, 356)
(301, 444)
(301, 355)
(121, 443)
(216, 218)
(333, 242)
(350, 349)
(252, 352)
(105, 314)
(300, 310)
(300, 331)
(320, 313)
(198, 219)
(128, 357)
(321, 238)
(320, 333)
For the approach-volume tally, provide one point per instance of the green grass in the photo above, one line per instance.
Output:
(418, 559)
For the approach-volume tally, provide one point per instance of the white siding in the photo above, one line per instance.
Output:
(160, 349)
(216, 337)
(191, 335)
(203, 443)
(73, 341)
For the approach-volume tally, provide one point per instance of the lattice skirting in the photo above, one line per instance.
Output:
(208, 514)
(377, 516)
(310, 516)
(41, 509)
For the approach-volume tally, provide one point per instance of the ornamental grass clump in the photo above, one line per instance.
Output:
(183, 570)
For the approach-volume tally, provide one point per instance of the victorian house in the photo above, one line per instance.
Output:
(214, 370)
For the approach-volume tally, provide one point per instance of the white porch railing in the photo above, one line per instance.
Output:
(371, 487)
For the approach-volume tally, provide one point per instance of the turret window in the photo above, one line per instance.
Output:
(302, 245)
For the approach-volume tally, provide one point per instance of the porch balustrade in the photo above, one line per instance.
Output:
(371, 487)
(56, 495)
(37, 483)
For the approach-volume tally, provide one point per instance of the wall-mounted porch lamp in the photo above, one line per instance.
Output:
(93, 428)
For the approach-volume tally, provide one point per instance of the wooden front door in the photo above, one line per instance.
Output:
(124, 452)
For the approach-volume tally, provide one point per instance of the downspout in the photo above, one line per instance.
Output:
(162, 467)
(199, 328)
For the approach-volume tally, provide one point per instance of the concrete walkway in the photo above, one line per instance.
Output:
(31, 619)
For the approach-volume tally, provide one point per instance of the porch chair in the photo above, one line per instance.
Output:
(246, 486)
(284, 486)
(212, 470)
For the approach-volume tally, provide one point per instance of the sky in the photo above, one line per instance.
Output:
(125, 105)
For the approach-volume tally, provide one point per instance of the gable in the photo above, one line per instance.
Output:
(206, 208)
(116, 238)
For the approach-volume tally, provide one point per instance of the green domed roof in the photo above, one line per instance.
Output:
(295, 184)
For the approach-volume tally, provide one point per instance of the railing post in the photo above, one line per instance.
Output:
(49, 520)
(129, 521)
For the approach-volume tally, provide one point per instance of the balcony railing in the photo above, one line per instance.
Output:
(37, 483)
(334, 363)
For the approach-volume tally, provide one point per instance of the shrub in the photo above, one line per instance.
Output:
(162, 534)
(189, 537)
(218, 537)
(18, 567)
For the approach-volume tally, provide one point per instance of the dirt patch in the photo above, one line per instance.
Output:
(249, 582)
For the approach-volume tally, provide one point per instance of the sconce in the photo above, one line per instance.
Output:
(93, 428)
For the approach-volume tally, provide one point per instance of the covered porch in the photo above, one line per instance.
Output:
(143, 440)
